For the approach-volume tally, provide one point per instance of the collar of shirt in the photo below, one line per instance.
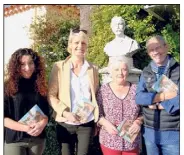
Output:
(83, 69)
(159, 69)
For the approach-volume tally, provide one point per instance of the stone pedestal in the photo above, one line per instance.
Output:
(132, 77)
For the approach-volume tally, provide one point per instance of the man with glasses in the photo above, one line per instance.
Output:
(160, 109)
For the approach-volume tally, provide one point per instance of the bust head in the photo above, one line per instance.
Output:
(117, 25)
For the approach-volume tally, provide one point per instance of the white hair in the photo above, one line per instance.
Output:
(116, 62)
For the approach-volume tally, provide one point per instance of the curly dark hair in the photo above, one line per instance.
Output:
(14, 75)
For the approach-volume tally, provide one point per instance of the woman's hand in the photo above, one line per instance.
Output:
(135, 128)
(70, 116)
(37, 128)
(109, 127)
(26, 128)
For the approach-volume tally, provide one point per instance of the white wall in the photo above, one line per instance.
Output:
(16, 31)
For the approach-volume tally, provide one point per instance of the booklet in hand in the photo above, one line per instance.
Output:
(164, 84)
(83, 110)
(123, 131)
(34, 115)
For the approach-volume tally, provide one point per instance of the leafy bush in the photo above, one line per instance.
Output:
(101, 17)
(52, 146)
(173, 39)
(50, 34)
(138, 27)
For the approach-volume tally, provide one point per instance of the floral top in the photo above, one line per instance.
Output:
(116, 110)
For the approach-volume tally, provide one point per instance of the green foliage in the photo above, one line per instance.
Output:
(50, 37)
(137, 28)
(102, 33)
(173, 40)
(52, 146)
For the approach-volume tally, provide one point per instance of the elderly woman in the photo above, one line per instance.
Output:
(117, 103)
(74, 81)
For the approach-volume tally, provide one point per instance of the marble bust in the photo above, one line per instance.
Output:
(121, 46)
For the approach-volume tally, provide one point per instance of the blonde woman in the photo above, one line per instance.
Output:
(72, 81)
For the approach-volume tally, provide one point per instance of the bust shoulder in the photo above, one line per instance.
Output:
(129, 39)
(121, 46)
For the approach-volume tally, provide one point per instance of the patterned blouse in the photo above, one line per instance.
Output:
(116, 110)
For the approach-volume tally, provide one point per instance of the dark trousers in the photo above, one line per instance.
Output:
(30, 146)
(74, 138)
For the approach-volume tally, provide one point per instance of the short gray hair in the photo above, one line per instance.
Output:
(157, 37)
(116, 62)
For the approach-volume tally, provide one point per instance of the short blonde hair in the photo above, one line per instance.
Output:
(80, 33)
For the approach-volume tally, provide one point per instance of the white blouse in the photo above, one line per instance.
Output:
(80, 88)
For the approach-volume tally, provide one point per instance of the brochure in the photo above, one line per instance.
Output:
(164, 84)
(123, 129)
(83, 110)
(34, 115)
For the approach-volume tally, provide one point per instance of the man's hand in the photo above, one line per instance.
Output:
(152, 106)
(160, 106)
(170, 94)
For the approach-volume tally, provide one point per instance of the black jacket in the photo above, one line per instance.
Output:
(17, 106)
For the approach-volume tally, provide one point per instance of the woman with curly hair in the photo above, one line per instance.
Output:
(24, 88)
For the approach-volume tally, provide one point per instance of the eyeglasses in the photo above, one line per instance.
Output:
(155, 49)
(77, 30)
